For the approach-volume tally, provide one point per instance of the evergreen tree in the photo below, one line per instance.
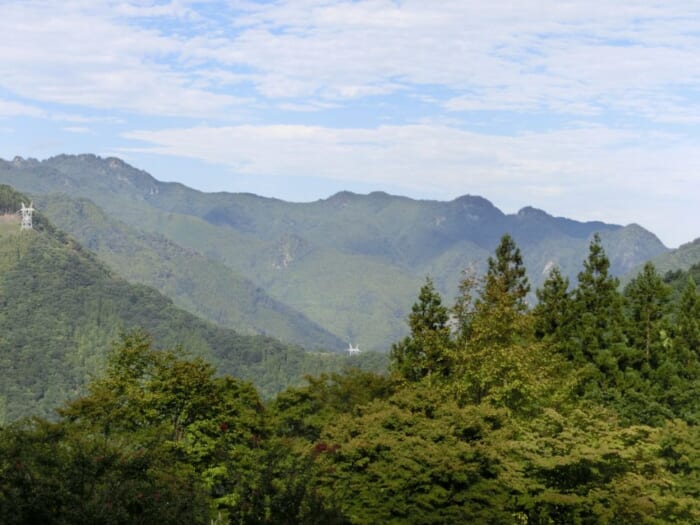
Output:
(647, 300)
(506, 276)
(494, 351)
(499, 311)
(598, 310)
(463, 309)
(426, 351)
(674, 380)
(687, 333)
(552, 315)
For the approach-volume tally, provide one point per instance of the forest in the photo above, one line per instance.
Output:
(61, 307)
(580, 409)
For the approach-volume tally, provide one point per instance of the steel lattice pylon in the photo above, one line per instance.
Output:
(26, 213)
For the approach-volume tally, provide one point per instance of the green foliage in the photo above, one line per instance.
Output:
(688, 321)
(60, 309)
(499, 317)
(425, 353)
(419, 458)
(647, 299)
(598, 311)
(554, 310)
(59, 474)
(516, 430)
(303, 412)
(414, 458)
(350, 263)
(204, 287)
(159, 400)
(157, 438)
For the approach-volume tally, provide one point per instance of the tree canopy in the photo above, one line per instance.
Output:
(582, 409)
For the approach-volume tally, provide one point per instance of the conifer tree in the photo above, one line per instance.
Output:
(463, 309)
(688, 320)
(425, 351)
(499, 311)
(673, 379)
(553, 311)
(647, 300)
(598, 310)
(494, 350)
(506, 277)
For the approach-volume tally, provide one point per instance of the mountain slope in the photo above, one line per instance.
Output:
(682, 258)
(60, 310)
(351, 263)
(204, 287)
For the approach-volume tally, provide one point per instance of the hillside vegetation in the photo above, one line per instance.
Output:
(583, 409)
(61, 309)
(204, 287)
(681, 258)
(349, 263)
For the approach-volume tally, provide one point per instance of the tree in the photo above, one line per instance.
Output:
(687, 321)
(494, 355)
(60, 473)
(463, 309)
(647, 300)
(552, 315)
(163, 404)
(500, 310)
(598, 311)
(425, 352)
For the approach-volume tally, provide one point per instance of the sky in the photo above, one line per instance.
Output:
(588, 110)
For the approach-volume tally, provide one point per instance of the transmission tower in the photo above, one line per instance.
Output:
(26, 213)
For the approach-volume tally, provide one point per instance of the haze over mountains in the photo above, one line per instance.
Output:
(338, 270)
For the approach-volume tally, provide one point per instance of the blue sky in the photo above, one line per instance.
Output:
(589, 110)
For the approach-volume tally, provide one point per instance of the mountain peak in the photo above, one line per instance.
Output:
(21, 162)
(474, 201)
(530, 212)
(342, 195)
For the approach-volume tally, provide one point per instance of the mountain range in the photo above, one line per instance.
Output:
(322, 274)
(61, 309)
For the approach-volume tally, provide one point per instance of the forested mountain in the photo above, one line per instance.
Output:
(583, 409)
(349, 263)
(681, 258)
(202, 286)
(60, 310)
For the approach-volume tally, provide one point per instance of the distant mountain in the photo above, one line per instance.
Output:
(61, 308)
(351, 263)
(682, 258)
(202, 286)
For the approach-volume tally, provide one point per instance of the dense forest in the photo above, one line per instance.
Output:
(61, 308)
(581, 409)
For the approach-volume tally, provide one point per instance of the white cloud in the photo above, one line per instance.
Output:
(10, 108)
(587, 172)
(171, 9)
(87, 57)
(579, 70)
(432, 157)
(530, 55)
(534, 55)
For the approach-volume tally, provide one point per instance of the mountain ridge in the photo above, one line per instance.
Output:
(194, 282)
(351, 263)
(61, 308)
